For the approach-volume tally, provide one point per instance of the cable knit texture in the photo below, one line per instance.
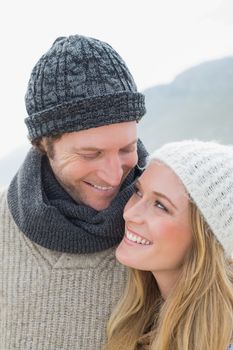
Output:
(51, 300)
(206, 170)
(80, 83)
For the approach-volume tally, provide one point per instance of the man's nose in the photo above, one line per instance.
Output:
(113, 171)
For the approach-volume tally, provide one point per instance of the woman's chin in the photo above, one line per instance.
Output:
(123, 255)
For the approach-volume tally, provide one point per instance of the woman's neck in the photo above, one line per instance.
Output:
(166, 281)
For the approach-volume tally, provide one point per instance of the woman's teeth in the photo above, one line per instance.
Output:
(134, 238)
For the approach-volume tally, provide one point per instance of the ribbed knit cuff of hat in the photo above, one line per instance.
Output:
(87, 113)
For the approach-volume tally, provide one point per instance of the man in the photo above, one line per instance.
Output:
(62, 214)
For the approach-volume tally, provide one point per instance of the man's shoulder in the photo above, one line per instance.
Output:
(3, 201)
(3, 194)
(4, 210)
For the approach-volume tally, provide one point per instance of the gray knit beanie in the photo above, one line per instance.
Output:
(80, 83)
(206, 170)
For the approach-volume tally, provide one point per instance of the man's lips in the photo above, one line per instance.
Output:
(102, 188)
(99, 187)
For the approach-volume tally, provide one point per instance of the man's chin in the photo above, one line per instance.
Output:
(99, 206)
(94, 200)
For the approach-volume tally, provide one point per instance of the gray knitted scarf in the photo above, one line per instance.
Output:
(47, 215)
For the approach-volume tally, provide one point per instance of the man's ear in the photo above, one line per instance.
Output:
(40, 144)
(43, 145)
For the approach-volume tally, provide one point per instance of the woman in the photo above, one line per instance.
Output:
(178, 243)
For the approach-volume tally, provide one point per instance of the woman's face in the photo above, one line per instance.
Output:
(157, 223)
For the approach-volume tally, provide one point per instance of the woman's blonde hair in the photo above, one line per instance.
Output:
(198, 314)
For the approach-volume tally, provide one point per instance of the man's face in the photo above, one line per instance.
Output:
(92, 164)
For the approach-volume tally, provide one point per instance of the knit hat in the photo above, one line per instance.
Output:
(206, 170)
(80, 83)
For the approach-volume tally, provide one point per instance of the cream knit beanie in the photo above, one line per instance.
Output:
(206, 170)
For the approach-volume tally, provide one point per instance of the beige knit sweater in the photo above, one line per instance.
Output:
(51, 300)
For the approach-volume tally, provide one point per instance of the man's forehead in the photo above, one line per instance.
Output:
(119, 135)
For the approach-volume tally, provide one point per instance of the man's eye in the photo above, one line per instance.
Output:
(129, 150)
(89, 155)
(159, 205)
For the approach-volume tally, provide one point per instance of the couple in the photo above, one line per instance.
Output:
(62, 219)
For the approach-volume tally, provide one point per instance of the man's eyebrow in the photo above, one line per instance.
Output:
(130, 144)
(158, 194)
(96, 149)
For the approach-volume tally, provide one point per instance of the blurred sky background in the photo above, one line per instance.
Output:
(158, 39)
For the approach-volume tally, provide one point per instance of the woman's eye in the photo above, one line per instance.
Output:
(159, 205)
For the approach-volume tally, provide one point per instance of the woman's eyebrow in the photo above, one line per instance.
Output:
(165, 197)
(137, 182)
